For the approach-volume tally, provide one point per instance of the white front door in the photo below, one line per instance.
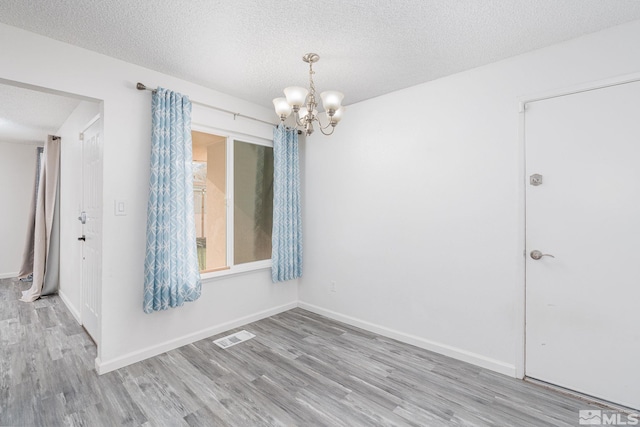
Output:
(92, 228)
(583, 304)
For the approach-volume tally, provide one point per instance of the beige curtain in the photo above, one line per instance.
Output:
(42, 254)
(27, 256)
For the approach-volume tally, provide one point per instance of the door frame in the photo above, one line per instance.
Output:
(521, 302)
(83, 96)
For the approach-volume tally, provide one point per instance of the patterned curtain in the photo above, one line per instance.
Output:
(171, 265)
(287, 216)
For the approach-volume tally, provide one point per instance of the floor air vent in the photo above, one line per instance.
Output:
(233, 339)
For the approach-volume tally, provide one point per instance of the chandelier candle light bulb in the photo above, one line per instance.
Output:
(303, 103)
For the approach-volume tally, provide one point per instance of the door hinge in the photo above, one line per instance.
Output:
(81, 136)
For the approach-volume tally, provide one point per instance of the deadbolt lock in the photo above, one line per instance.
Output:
(535, 179)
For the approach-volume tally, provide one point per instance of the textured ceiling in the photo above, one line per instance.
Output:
(29, 116)
(252, 49)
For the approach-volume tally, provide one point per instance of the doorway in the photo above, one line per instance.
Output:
(27, 115)
(582, 196)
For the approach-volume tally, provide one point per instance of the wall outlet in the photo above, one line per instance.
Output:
(333, 286)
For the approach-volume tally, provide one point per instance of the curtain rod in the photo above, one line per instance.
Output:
(140, 86)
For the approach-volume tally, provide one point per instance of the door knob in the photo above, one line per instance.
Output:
(537, 255)
(82, 238)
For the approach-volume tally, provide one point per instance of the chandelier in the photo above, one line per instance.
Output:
(304, 107)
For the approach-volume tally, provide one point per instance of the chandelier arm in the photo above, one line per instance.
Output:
(325, 133)
(317, 118)
(330, 124)
(297, 121)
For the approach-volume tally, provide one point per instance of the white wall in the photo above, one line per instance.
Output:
(127, 333)
(17, 179)
(414, 205)
(70, 202)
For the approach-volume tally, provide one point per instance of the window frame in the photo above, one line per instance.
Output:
(232, 269)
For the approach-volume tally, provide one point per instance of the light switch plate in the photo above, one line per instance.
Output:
(120, 207)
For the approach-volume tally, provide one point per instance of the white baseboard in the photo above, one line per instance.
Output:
(74, 311)
(8, 275)
(447, 350)
(102, 367)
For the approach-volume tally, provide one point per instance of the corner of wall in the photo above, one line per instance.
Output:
(102, 367)
(74, 311)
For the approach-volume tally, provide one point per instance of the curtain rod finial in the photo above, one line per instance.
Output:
(140, 86)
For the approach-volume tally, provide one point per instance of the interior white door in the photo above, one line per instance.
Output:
(583, 305)
(92, 228)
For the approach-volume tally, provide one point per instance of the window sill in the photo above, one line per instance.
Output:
(236, 270)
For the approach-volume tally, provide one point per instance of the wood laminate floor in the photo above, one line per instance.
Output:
(301, 369)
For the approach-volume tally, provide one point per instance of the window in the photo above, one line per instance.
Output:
(252, 202)
(233, 202)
